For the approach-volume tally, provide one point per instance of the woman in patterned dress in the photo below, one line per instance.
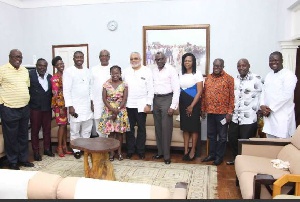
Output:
(58, 106)
(114, 119)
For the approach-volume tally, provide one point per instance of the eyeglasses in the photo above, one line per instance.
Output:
(159, 59)
(134, 59)
(104, 55)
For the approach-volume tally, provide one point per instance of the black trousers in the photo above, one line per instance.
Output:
(15, 132)
(237, 131)
(136, 119)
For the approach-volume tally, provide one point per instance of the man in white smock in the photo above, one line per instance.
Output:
(76, 88)
(100, 74)
(140, 98)
(277, 101)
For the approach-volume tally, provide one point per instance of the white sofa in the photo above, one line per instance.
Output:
(19, 184)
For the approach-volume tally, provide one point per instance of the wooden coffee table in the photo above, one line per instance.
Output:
(97, 149)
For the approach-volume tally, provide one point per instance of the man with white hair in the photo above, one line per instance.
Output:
(139, 101)
(100, 74)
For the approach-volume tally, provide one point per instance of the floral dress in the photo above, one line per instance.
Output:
(58, 101)
(114, 97)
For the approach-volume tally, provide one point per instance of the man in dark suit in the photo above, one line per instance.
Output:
(40, 108)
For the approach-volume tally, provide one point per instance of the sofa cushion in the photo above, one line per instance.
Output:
(14, 183)
(291, 154)
(296, 138)
(43, 185)
(66, 188)
(254, 164)
(247, 188)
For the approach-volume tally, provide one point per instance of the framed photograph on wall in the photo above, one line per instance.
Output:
(174, 41)
(66, 52)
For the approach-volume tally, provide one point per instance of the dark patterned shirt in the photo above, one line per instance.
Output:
(218, 94)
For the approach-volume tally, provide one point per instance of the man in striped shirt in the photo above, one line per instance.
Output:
(14, 110)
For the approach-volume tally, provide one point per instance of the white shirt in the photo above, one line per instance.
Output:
(43, 81)
(188, 80)
(76, 88)
(278, 95)
(166, 81)
(140, 86)
(247, 93)
(100, 74)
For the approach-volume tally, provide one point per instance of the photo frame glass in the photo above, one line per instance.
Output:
(66, 52)
(176, 40)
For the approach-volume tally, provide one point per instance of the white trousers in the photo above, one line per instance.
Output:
(80, 130)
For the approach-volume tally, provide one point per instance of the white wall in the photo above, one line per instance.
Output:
(239, 28)
(10, 31)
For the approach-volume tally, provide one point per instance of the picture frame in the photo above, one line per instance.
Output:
(66, 52)
(174, 41)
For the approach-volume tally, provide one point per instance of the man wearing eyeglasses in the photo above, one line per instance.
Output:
(217, 103)
(139, 102)
(247, 91)
(14, 110)
(99, 75)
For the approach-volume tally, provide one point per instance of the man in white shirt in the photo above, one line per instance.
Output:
(139, 101)
(76, 88)
(247, 91)
(100, 74)
(166, 99)
(277, 101)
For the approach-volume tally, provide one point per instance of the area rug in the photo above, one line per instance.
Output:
(201, 179)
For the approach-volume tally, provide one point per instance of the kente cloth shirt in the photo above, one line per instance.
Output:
(14, 84)
(140, 85)
(99, 75)
(278, 95)
(76, 89)
(218, 94)
(247, 91)
(166, 81)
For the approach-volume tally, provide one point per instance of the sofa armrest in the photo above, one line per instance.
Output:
(259, 146)
(180, 191)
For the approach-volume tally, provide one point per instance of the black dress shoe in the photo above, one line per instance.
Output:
(48, 153)
(37, 157)
(13, 166)
(141, 155)
(129, 155)
(230, 162)
(26, 164)
(167, 161)
(208, 158)
(77, 155)
(217, 162)
(157, 156)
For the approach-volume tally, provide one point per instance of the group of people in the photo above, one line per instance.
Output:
(233, 105)
(103, 101)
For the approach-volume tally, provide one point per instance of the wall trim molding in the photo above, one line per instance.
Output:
(54, 3)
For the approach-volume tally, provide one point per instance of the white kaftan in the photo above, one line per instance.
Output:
(278, 95)
(76, 88)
